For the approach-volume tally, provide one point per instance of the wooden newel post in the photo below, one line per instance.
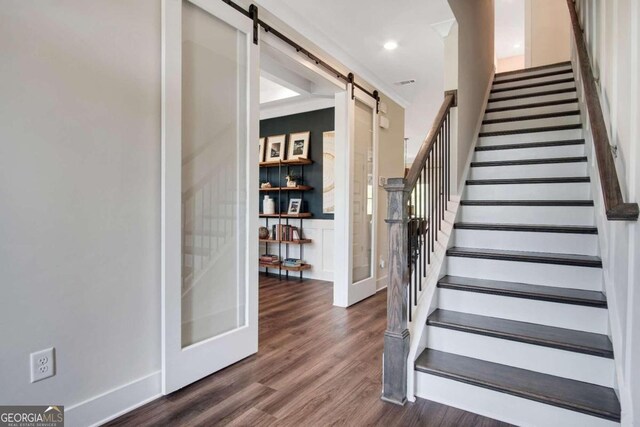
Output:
(396, 337)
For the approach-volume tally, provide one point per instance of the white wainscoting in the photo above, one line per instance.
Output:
(319, 253)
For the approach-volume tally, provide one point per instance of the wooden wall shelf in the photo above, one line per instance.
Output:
(300, 215)
(297, 188)
(297, 162)
(287, 242)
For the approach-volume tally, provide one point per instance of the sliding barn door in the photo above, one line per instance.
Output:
(209, 204)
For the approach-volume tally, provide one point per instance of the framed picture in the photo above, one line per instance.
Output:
(295, 206)
(275, 148)
(298, 146)
(261, 159)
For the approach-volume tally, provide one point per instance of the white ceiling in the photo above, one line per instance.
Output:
(271, 91)
(509, 36)
(354, 32)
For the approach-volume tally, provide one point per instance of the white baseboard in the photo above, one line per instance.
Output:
(381, 283)
(113, 403)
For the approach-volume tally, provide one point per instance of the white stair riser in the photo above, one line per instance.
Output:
(569, 316)
(561, 191)
(551, 361)
(547, 170)
(532, 111)
(532, 73)
(532, 91)
(553, 215)
(530, 153)
(531, 124)
(566, 276)
(531, 100)
(555, 135)
(500, 406)
(531, 81)
(564, 243)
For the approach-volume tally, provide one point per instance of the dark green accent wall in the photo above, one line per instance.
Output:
(316, 122)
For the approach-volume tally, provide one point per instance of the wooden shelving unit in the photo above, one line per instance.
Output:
(287, 242)
(297, 162)
(283, 194)
(297, 188)
(300, 215)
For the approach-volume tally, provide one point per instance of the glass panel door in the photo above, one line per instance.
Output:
(214, 69)
(362, 193)
(209, 242)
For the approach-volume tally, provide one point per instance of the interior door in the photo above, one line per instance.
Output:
(209, 182)
(363, 197)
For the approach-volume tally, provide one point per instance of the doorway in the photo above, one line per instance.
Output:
(211, 205)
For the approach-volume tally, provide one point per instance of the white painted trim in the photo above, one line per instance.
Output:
(472, 148)
(115, 402)
(295, 106)
(343, 127)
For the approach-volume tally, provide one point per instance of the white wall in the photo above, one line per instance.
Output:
(612, 30)
(547, 32)
(475, 36)
(80, 191)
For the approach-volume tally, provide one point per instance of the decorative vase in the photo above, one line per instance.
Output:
(263, 233)
(268, 206)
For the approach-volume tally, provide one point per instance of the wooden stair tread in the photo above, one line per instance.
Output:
(526, 202)
(531, 105)
(540, 144)
(535, 228)
(525, 290)
(530, 333)
(536, 76)
(522, 256)
(532, 94)
(531, 85)
(546, 161)
(556, 180)
(562, 64)
(530, 130)
(574, 395)
(532, 117)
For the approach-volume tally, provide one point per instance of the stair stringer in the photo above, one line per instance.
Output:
(426, 301)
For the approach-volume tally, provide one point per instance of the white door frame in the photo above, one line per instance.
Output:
(182, 366)
(345, 292)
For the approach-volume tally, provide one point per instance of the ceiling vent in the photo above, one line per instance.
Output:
(405, 82)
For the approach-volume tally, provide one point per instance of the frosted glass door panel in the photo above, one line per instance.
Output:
(362, 193)
(214, 85)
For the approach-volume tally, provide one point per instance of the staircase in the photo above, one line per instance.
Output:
(520, 328)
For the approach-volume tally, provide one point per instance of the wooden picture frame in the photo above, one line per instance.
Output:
(298, 146)
(275, 148)
(295, 206)
(261, 158)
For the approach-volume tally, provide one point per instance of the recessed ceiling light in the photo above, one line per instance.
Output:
(390, 45)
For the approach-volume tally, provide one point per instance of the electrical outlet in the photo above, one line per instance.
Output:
(43, 364)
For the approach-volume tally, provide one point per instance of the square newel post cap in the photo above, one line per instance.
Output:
(396, 184)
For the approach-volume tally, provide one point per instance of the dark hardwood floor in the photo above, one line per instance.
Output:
(317, 365)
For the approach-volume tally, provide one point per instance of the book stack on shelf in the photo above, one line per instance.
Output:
(293, 263)
(268, 259)
(286, 233)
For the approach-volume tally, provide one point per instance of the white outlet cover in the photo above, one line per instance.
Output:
(43, 364)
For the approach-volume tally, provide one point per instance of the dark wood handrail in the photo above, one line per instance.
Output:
(425, 148)
(615, 206)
